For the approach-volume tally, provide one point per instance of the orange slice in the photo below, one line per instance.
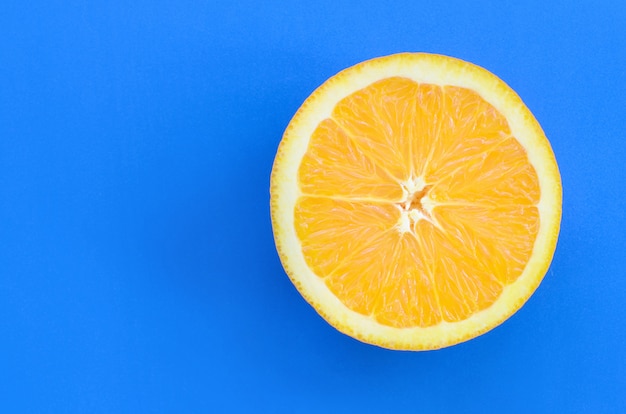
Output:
(415, 201)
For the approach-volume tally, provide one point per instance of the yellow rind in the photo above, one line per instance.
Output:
(284, 192)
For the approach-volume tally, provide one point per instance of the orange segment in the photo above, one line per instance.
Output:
(415, 201)
(408, 296)
(334, 166)
(464, 282)
(499, 175)
(470, 127)
(332, 231)
(500, 238)
(385, 138)
(430, 118)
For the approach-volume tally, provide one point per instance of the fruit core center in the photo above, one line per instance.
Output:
(414, 201)
(415, 205)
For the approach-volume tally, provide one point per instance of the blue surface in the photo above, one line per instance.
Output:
(137, 266)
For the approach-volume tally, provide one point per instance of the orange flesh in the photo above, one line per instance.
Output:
(417, 205)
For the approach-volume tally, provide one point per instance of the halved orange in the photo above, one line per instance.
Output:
(415, 201)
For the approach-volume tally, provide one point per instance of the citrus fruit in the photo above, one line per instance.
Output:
(415, 201)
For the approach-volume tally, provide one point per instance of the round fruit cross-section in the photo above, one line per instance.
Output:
(415, 201)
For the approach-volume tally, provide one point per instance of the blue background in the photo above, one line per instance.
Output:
(137, 265)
